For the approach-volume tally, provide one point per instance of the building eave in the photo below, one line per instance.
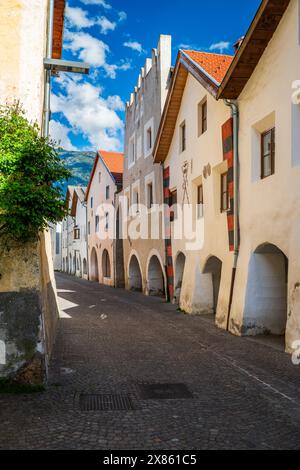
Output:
(258, 36)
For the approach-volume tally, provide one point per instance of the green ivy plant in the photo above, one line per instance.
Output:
(30, 175)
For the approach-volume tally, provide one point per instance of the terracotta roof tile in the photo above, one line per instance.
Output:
(113, 160)
(216, 65)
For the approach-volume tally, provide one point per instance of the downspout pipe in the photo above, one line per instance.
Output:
(47, 87)
(236, 184)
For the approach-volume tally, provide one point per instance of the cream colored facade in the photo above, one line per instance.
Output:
(194, 268)
(144, 259)
(101, 233)
(267, 293)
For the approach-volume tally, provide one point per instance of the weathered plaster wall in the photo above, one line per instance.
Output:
(28, 310)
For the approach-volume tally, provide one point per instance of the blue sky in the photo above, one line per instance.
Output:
(115, 37)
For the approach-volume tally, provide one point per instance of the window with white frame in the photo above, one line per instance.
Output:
(149, 137)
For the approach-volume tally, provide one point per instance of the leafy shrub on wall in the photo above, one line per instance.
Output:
(30, 175)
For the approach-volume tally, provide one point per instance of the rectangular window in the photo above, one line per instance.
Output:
(107, 192)
(106, 221)
(89, 228)
(97, 223)
(225, 204)
(183, 137)
(149, 139)
(200, 211)
(268, 153)
(77, 234)
(173, 205)
(92, 202)
(202, 117)
(136, 201)
(99, 177)
(150, 195)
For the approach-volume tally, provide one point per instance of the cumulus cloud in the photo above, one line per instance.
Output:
(102, 3)
(60, 133)
(106, 25)
(122, 15)
(134, 45)
(89, 114)
(88, 48)
(220, 46)
(78, 18)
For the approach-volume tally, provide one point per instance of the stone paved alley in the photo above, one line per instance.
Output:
(246, 394)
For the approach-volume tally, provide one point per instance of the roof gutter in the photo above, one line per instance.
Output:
(47, 86)
(235, 115)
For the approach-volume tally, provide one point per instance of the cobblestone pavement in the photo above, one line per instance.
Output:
(246, 394)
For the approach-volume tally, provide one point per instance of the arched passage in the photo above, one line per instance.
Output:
(94, 266)
(266, 294)
(106, 269)
(213, 268)
(156, 283)
(179, 272)
(134, 275)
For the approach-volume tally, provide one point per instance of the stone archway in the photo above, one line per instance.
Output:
(266, 295)
(156, 281)
(135, 281)
(94, 274)
(179, 273)
(213, 268)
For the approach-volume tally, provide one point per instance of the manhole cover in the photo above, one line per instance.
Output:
(93, 402)
(164, 391)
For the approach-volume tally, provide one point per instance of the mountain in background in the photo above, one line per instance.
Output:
(80, 164)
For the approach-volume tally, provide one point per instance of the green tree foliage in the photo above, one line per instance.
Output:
(30, 175)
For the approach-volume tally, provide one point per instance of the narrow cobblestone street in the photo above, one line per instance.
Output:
(245, 394)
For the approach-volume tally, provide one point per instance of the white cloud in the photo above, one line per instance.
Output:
(134, 45)
(88, 113)
(89, 49)
(115, 103)
(93, 51)
(78, 18)
(59, 132)
(221, 46)
(102, 3)
(106, 25)
(122, 15)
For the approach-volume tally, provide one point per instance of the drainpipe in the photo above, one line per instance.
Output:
(47, 88)
(235, 115)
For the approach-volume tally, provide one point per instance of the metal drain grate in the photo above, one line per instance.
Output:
(164, 391)
(93, 402)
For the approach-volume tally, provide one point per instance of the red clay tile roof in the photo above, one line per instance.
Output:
(215, 65)
(113, 160)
